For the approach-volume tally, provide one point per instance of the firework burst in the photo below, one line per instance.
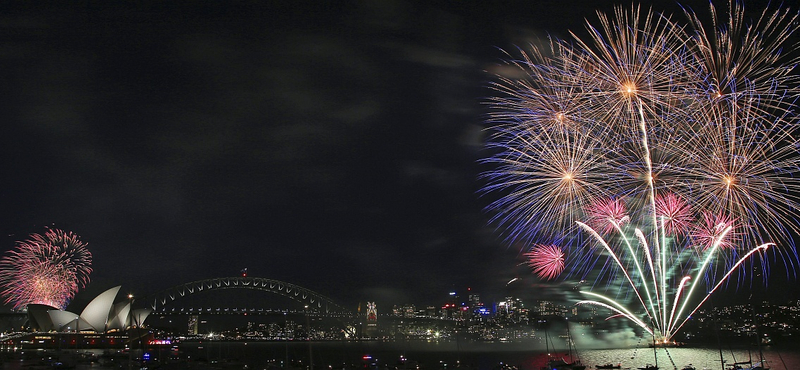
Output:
(659, 154)
(45, 269)
(607, 214)
(547, 261)
(674, 213)
(709, 232)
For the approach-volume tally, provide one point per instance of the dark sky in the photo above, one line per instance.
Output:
(333, 145)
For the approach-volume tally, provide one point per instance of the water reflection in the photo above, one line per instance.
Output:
(380, 356)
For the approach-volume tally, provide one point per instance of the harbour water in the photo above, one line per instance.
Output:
(477, 356)
(391, 355)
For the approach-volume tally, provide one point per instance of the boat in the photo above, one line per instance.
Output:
(666, 344)
(749, 365)
(654, 346)
(689, 367)
(504, 366)
(608, 366)
(761, 364)
(561, 364)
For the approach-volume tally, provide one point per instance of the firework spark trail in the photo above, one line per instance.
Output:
(616, 307)
(681, 286)
(642, 110)
(619, 263)
(762, 247)
(702, 268)
(643, 241)
(45, 269)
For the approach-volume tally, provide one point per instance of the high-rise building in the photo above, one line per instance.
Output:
(475, 300)
(409, 310)
(430, 311)
(371, 323)
(476, 306)
(449, 311)
(406, 310)
(193, 324)
(548, 308)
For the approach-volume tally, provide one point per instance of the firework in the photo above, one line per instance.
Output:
(547, 261)
(607, 214)
(709, 232)
(660, 155)
(45, 269)
(674, 213)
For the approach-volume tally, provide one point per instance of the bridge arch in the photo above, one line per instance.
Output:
(313, 300)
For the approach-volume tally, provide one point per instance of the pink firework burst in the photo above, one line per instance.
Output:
(45, 269)
(45, 284)
(675, 214)
(547, 261)
(604, 213)
(712, 228)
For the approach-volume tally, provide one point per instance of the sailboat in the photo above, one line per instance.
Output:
(655, 357)
(559, 363)
(761, 364)
(749, 365)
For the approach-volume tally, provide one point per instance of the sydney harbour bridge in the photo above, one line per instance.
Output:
(244, 300)
(308, 301)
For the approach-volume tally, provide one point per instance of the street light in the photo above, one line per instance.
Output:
(309, 339)
(130, 327)
(130, 310)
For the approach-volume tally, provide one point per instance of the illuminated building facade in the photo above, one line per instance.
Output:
(371, 324)
(101, 315)
(193, 324)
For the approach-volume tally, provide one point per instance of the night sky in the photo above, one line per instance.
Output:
(333, 145)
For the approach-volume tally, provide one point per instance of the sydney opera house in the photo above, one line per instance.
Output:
(101, 315)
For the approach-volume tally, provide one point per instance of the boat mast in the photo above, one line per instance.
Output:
(758, 335)
(546, 344)
(655, 355)
(570, 344)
